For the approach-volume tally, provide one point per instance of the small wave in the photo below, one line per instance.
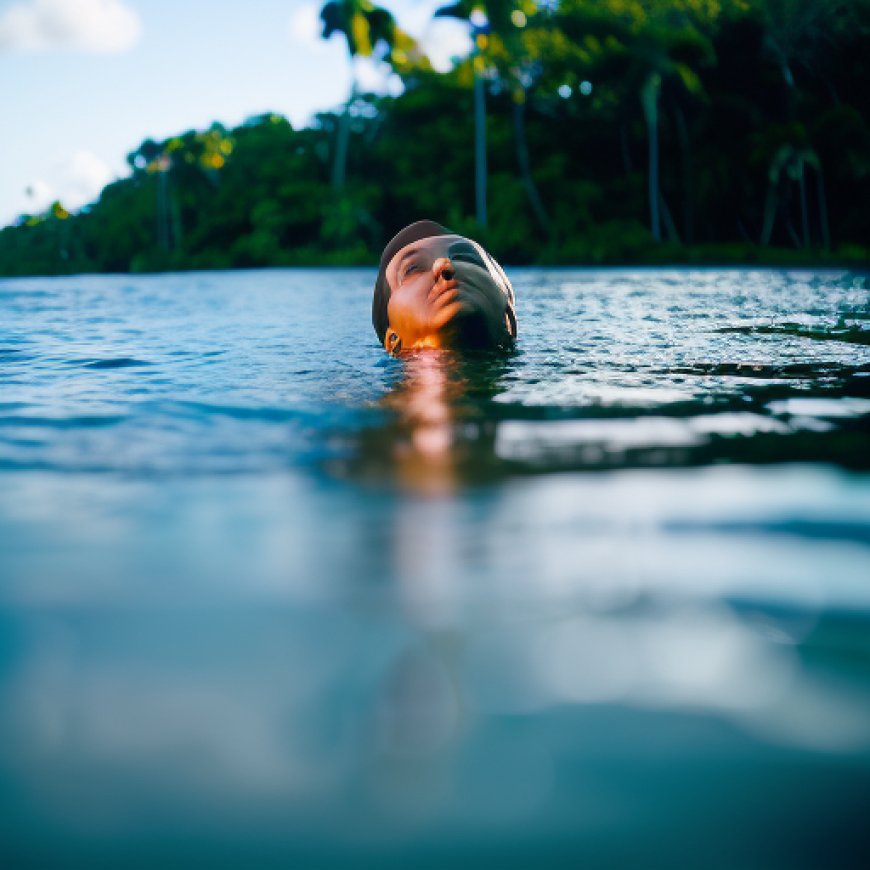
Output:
(241, 412)
(320, 418)
(850, 335)
(813, 529)
(13, 355)
(82, 421)
(123, 362)
(203, 354)
(766, 371)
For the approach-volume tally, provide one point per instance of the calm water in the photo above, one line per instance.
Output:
(271, 598)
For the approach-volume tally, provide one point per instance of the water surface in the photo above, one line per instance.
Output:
(268, 595)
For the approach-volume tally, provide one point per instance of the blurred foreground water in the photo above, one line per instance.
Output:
(268, 597)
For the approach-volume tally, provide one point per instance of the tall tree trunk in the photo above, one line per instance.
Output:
(771, 206)
(479, 145)
(654, 179)
(805, 215)
(787, 211)
(823, 209)
(522, 149)
(688, 185)
(650, 101)
(342, 137)
(792, 233)
(175, 225)
(667, 220)
(163, 219)
(624, 148)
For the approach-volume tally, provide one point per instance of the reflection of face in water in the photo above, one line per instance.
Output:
(447, 306)
(440, 431)
(440, 290)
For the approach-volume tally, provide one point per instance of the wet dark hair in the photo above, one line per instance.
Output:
(413, 233)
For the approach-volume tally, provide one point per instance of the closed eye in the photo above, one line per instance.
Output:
(462, 252)
(408, 269)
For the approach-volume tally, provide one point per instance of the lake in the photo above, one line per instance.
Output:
(269, 596)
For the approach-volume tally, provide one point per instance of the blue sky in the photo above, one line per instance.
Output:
(83, 82)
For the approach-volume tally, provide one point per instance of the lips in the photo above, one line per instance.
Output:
(444, 291)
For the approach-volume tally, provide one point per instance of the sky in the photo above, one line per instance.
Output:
(84, 82)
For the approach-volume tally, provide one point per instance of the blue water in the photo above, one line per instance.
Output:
(270, 597)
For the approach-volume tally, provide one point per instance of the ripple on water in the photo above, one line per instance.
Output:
(74, 421)
(123, 362)
(851, 335)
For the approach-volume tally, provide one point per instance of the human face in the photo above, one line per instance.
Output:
(444, 293)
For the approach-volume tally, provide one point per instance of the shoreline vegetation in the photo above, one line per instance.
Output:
(697, 132)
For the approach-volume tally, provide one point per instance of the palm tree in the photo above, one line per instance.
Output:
(794, 35)
(518, 28)
(666, 56)
(649, 99)
(520, 96)
(364, 26)
(789, 166)
(156, 159)
(647, 53)
(475, 14)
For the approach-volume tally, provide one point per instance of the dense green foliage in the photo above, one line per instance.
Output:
(616, 131)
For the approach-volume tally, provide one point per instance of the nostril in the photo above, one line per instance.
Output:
(443, 268)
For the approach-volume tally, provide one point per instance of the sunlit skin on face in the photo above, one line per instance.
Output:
(442, 294)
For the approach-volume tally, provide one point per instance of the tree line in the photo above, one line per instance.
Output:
(576, 131)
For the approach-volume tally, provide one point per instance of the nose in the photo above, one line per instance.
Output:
(443, 268)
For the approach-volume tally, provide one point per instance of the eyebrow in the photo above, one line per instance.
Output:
(408, 253)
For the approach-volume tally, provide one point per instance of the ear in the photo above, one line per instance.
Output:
(510, 321)
(392, 342)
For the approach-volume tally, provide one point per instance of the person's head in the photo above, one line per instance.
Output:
(436, 289)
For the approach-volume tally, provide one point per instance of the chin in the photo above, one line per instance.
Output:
(472, 330)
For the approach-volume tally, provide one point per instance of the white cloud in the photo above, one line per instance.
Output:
(442, 39)
(445, 40)
(75, 182)
(305, 26)
(371, 76)
(38, 196)
(82, 178)
(83, 25)
(415, 15)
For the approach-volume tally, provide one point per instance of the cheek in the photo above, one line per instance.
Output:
(407, 309)
(488, 296)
